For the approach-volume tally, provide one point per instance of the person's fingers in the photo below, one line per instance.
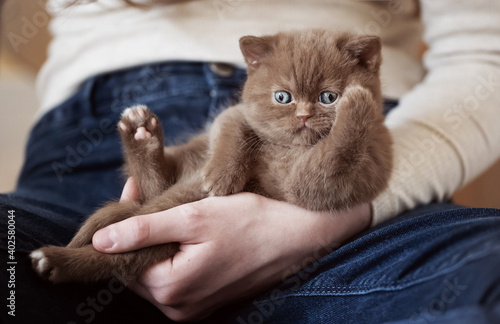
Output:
(142, 291)
(169, 311)
(147, 230)
(130, 191)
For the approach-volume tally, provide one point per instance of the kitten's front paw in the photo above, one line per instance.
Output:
(46, 265)
(138, 124)
(357, 100)
(222, 180)
(357, 113)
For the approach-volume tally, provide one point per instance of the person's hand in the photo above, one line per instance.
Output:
(230, 248)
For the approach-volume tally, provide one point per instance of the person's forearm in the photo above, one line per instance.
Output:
(446, 130)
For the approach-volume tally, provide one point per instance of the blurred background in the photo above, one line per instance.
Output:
(23, 44)
(22, 52)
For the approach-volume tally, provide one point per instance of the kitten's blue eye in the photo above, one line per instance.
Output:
(283, 97)
(328, 97)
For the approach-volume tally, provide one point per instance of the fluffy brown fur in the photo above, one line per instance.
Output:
(316, 155)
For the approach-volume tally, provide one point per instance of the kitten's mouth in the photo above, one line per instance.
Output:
(304, 125)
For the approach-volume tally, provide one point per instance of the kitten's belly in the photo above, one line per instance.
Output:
(273, 168)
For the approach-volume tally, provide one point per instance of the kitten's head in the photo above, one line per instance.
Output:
(295, 81)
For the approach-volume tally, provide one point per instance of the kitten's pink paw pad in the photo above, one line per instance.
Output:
(122, 126)
(142, 134)
(134, 113)
(137, 114)
(139, 124)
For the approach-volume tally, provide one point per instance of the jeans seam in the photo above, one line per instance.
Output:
(355, 290)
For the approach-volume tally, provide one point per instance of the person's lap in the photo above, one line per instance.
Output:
(429, 264)
(435, 264)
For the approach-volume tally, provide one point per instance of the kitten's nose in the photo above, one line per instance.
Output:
(303, 116)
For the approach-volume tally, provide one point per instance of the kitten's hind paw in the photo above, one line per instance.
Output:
(41, 264)
(138, 124)
(45, 264)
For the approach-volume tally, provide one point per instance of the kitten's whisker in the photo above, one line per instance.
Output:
(251, 138)
(249, 141)
(253, 145)
(261, 147)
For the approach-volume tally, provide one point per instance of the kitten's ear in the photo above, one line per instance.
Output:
(254, 49)
(367, 49)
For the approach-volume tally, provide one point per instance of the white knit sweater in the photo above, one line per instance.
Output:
(446, 128)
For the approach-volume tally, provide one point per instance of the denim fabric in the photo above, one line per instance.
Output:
(436, 264)
(73, 156)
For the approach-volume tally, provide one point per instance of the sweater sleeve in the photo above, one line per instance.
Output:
(446, 131)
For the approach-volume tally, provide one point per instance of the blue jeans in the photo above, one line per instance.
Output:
(435, 264)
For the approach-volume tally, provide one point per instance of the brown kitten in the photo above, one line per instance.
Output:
(309, 131)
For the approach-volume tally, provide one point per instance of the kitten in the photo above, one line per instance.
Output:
(309, 131)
